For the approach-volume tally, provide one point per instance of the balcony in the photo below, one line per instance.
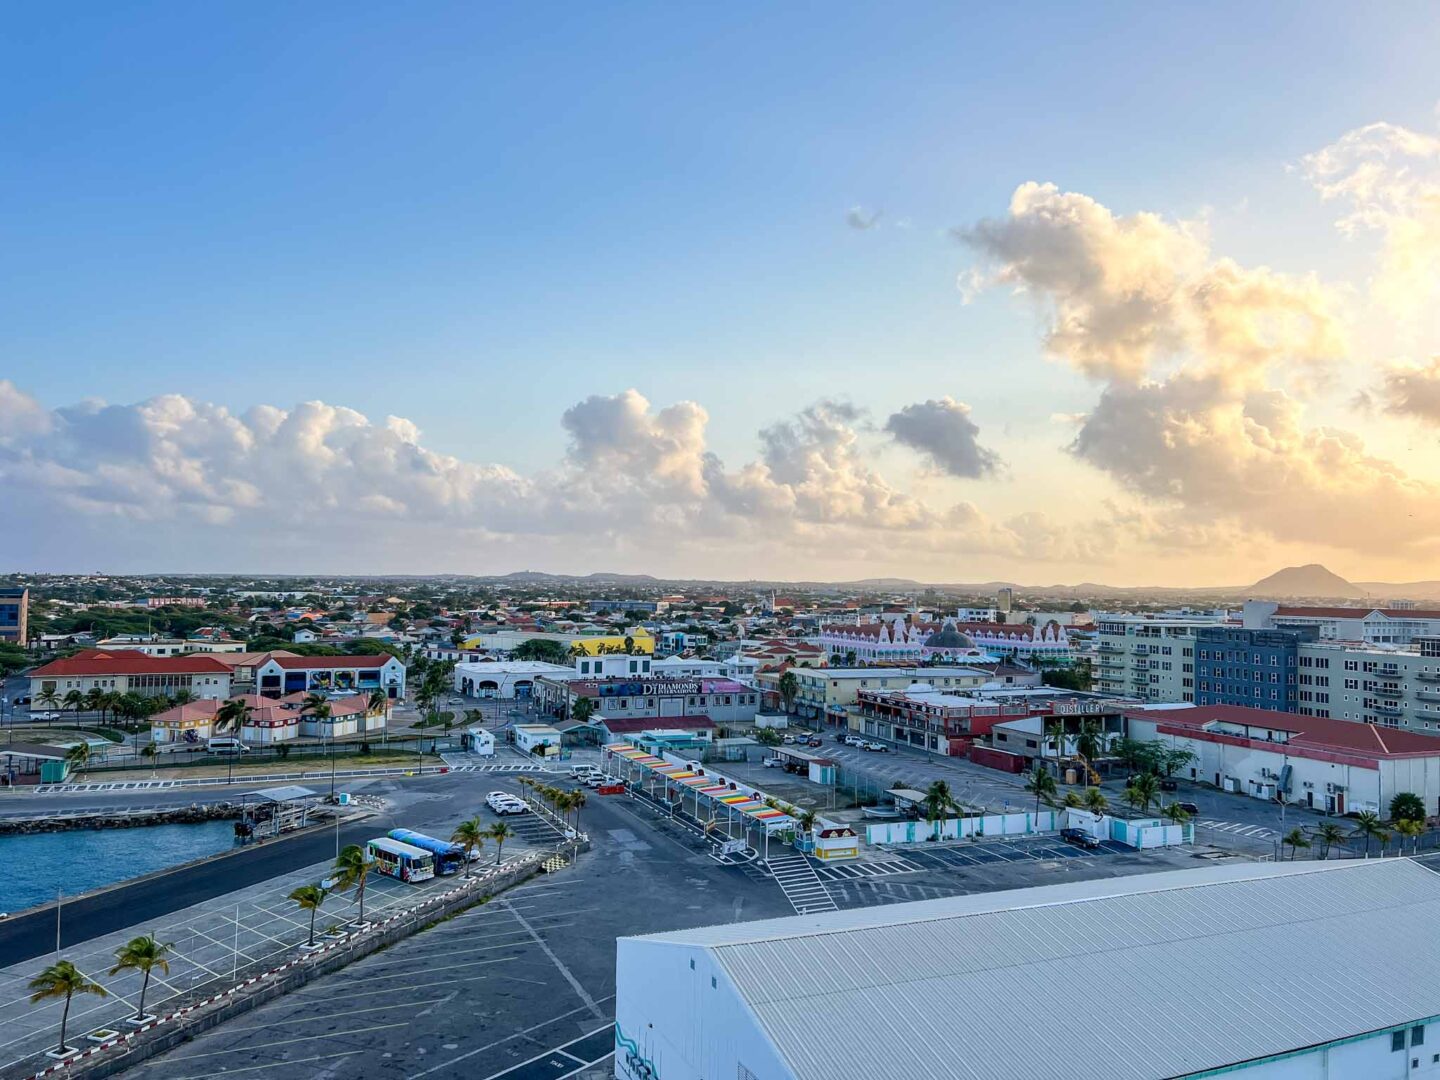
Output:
(1109, 647)
(1388, 710)
(1428, 676)
(1380, 690)
(1428, 695)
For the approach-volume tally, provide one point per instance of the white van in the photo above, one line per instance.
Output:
(226, 746)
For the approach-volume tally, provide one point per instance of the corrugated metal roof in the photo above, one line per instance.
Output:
(1153, 976)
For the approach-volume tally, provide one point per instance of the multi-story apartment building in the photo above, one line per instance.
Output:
(1254, 668)
(1376, 626)
(14, 615)
(827, 692)
(1148, 657)
(1397, 688)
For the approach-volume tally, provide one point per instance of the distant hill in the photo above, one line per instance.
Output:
(1402, 590)
(1309, 580)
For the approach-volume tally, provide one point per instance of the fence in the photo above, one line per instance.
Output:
(200, 1010)
(915, 832)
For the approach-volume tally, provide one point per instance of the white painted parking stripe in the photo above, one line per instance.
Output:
(273, 1065)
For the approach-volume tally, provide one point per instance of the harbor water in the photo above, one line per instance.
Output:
(37, 865)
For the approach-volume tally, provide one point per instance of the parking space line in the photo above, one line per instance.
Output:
(273, 1065)
(331, 1016)
(508, 1038)
(284, 1042)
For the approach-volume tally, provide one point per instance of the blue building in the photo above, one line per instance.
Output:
(14, 609)
(1253, 668)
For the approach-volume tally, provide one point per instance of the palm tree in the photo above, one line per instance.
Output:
(500, 832)
(1410, 829)
(1095, 801)
(789, 688)
(78, 756)
(1041, 784)
(806, 821)
(1055, 730)
(1384, 838)
(577, 802)
(1329, 835)
(1367, 824)
(379, 702)
(231, 716)
(309, 898)
(470, 835)
(142, 954)
(48, 698)
(95, 701)
(1073, 800)
(1088, 744)
(1177, 814)
(150, 752)
(938, 802)
(1407, 806)
(1142, 791)
(63, 979)
(582, 710)
(183, 697)
(75, 701)
(1296, 839)
(351, 870)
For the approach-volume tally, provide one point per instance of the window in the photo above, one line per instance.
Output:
(1417, 1035)
(1397, 1041)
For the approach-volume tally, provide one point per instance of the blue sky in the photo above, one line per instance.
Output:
(476, 216)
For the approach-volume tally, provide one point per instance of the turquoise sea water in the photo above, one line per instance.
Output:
(33, 867)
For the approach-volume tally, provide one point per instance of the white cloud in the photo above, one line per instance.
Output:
(941, 430)
(1196, 353)
(1390, 177)
(858, 218)
(1410, 390)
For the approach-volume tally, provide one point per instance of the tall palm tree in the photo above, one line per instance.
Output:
(231, 716)
(94, 700)
(74, 700)
(789, 688)
(1177, 814)
(143, 954)
(309, 898)
(1055, 731)
(938, 802)
(48, 698)
(1095, 801)
(63, 979)
(500, 832)
(1089, 744)
(78, 757)
(379, 702)
(577, 800)
(1367, 825)
(1041, 784)
(1142, 790)
(1329, 835)
(351, 870)
(183, 697)
(470, 835)
(1384, 837)
(150, 752)
(1296, 839)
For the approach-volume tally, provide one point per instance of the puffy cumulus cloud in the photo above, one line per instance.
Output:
(1246, 456)
(1390, 178)
(1125, 294)
(941, 430)
(1200, 357)
(1410, 391)
(194, 485)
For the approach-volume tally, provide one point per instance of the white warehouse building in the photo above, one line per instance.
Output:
(1280, 971)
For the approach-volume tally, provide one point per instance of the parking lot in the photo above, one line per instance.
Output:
(212, 940)
(519, 989)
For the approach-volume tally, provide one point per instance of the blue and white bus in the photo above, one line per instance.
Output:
(449, 858)
(397, 860)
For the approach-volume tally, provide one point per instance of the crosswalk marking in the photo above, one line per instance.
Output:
(861, 870)
(1239, 828)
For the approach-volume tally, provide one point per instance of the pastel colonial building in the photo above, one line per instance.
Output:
(283, 675)
(904, 640)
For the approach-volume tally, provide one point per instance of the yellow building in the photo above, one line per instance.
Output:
(641, 643)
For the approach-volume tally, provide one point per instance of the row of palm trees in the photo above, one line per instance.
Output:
(561, 802)
(63, 979)
(128, 707)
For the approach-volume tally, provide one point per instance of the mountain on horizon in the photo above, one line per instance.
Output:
(1311, 579)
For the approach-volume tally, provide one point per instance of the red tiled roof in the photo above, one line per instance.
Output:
(312, 663)
(130, 662)
(658, 723)
(1307, 732)
(1356, 613)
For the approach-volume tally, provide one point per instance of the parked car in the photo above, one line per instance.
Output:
(875, 747)
(812, 742)
(502, 802)
(787, 738)
(1080, 837)
(773, 763)
(1169, 785)
(1189, 807)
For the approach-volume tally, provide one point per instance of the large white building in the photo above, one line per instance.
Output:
(506, 679)
(1377, 626)
(1298, 971)
(1148, 657)
(889, 640)
(1336, 766)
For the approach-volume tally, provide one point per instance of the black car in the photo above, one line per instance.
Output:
(1189, 807)
(1080, 837)
(1168, 785)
